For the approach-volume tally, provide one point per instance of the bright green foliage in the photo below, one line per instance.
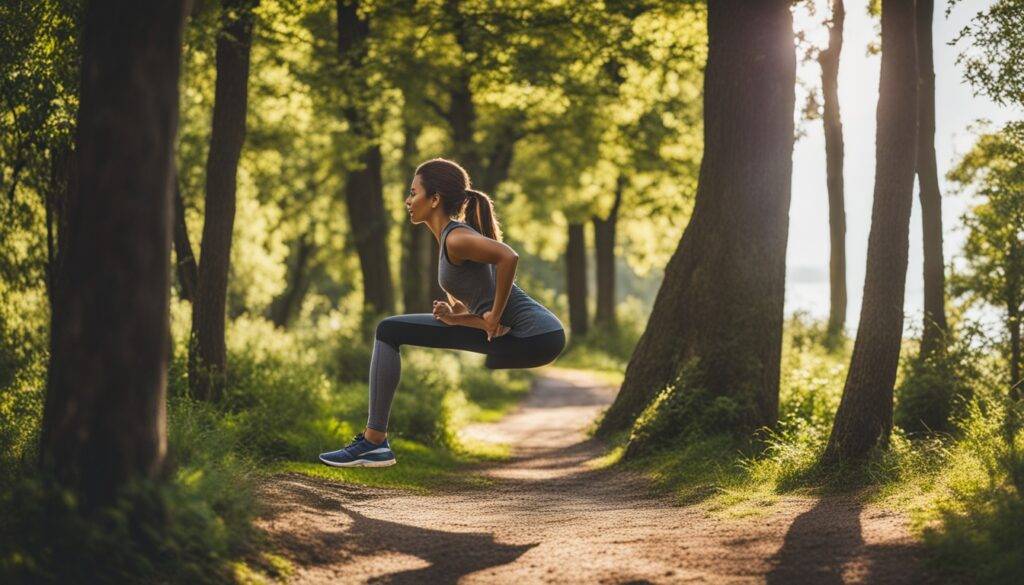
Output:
(976, 528)
(993, 270)
(992, 51)
(934, 391)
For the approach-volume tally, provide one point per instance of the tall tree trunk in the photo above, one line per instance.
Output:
(1014, 323)
(499, 160)
(62, 167)
(576, 272)
(301, 266)
(864, 418)
(721, 302)
(834, 148)
(364, 188)
(461, 114)
(416, 266)
(416, 262)
(1013, 317)
(934, 331)
(104, 422)
(462, 118)
(436, 292)
(185, 260)
(208, 358)
(604, 252)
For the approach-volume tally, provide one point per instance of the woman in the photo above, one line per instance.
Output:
(485, 313)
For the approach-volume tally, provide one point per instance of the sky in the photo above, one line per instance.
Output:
(956, 110)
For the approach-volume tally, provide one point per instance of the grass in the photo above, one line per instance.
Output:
(963, 490)
(420, 468)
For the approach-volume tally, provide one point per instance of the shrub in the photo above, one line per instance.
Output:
(934, 390)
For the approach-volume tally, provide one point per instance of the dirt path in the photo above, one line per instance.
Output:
(551, 518)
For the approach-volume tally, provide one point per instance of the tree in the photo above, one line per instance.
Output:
(721, 302)
(834, 148)
(104, 421)
(576, 279)
(208, 355)
(994, 252)
(935, 326)
(364, 185)
(864, 418)
(184, 260)
(604, 254)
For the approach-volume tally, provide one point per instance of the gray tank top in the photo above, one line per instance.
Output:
(473, 283)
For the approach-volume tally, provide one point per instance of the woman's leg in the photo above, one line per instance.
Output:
(422, 329)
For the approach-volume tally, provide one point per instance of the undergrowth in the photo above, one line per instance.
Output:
(957, 471)
(289, 396)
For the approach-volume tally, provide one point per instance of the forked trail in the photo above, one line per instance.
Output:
(549, 517)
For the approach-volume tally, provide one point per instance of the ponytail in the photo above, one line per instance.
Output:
(479, 213)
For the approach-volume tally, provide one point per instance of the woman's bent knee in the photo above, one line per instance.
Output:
(387, 331)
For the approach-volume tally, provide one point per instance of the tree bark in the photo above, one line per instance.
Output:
(436, 292)
(208, 358)
(300, 270)
(185, 260)
(62, 168)
(604, 252)
(1013, 317)
(934, 331)
(104, 422)
(576, 272)
(721, 302)
(462, 118)
(364, 189)
(834, 151)
(864, 418)
(415, 240)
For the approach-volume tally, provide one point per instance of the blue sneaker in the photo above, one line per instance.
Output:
(360, 453)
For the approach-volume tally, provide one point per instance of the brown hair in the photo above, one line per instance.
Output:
(449, 180)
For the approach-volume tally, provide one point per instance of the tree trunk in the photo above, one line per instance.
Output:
(462, 118)
(364, 189)
(834, 148)
(576, 271)
(62, 167)
(934, 331)
(436, 292)
(604, 252)
(208, 359)
(864, 418)
(300, 269)
(185, 260)
(1014, 322)
(499, 160)
(104, 422)
(415, 240)
(721, 302)
(416, 265)
(1013, 316)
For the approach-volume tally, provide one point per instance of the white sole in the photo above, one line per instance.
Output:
(361, 463)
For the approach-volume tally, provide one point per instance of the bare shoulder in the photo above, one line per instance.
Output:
(468, 244)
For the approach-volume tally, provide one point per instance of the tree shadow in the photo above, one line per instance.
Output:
(450, 555)
(826, 541)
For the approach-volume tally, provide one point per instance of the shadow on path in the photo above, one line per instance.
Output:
(450, 555)
(825, 543)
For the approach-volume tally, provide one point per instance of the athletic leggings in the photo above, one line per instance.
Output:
(424, 330)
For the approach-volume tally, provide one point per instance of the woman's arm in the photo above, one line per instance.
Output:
(458, 307)
(470, 245)
(468, 320)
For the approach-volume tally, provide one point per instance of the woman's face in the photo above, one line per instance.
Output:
(417, 203)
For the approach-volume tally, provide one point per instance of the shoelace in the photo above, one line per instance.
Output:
(355, 441)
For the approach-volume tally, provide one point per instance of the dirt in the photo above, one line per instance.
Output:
(550, 517)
